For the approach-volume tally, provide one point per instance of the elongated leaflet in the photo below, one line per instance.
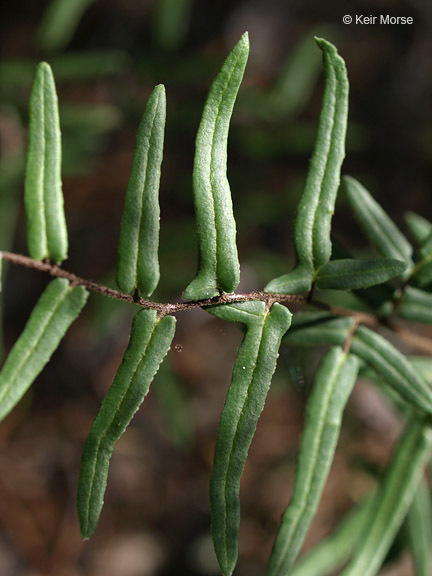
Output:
(138, 259)
(318, 329)
(387, 361)
(423, 270)
(422, 365)
(327, 556)
(423, 274)
(376, 224)
(426, 248)
(218, 266)
(59, 23)
(350, 274)
(419, 227)
(379, 297)
(57, 308)
(370, 347)
(393, 499)
(385, 391)
(254, 367)
(150, 340)
(46, 224)
(416, 305)
(333, 383)
(312, 225)
(419, 529)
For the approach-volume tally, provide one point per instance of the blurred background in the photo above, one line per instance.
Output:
(106, 57)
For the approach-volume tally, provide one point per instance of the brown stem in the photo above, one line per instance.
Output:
(163, 309)
(348, 342)
(170, 308)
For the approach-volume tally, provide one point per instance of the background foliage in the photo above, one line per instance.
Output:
(156, 513)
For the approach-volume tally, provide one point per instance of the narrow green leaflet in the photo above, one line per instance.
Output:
(312, 225)
(138, 259)
(416, 305)
(150, 341)
(334, 551)
(379, 297)
(370, 347)
(419, 227)
(59, 23)
(426, 248)
(393, 499)
(385, 391)
(333, 383)
(419, 529)
(318, 329)
(376, 224)
(423, 275)
(46, 224)
(57, 308)
(350, 274)
(388, 362)
(422, 365)
(423, 270)
(218, 266)
(171, 22)
(254, 367)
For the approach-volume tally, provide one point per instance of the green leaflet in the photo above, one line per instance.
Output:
(171, 22)
(370, 347)
(426, 248)
(60, 22)
(57, 308)
(333, 551)
(295, 282)
(150, 341)
(218, 266)
(333, 383)
(419, 528)
(350, 274)
(423, 275)
(46, 224)
(138, 260)
(318, 329)
(297, 79)
(416, 305)
(422, 365)
(423, 270)
(312, 225)
(254, 367)
(393, 499)
(379, 297)
(387, 361)
(376, 224)
(419, 227)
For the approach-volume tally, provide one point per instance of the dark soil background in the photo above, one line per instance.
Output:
(156, 516)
